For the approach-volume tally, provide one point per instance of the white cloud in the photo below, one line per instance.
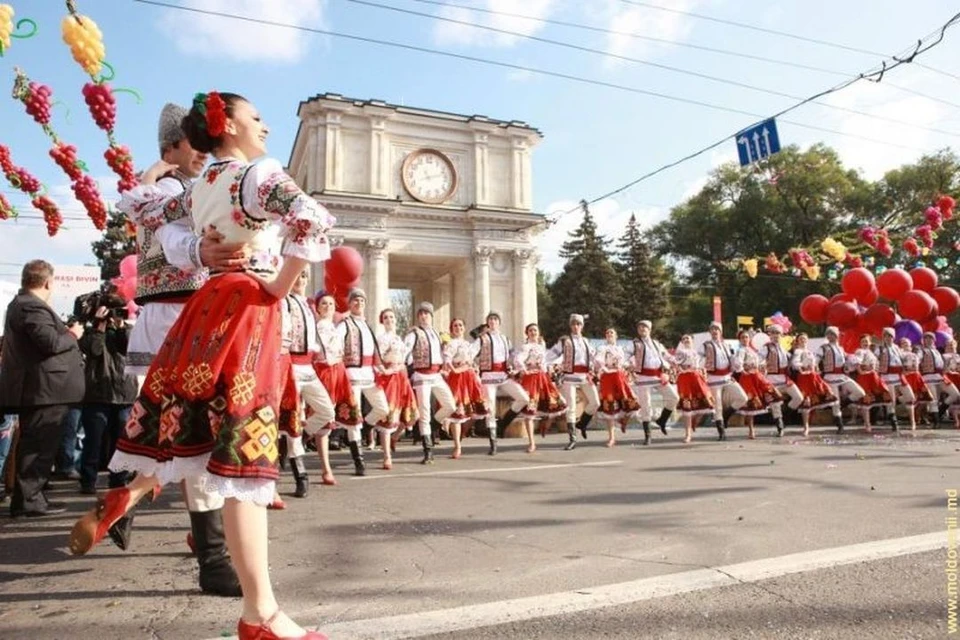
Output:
(643, 21)
(215, 36)
(450, 33)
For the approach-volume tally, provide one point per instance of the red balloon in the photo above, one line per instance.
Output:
(345, 265)
(924, 279)
(931, 324)
(842, 297)
(893, 283)
(858, 283)
(947, 299)
(850, 341)
(878, 316)
(813, 309)
(871, 297)
(842, 314)
(341, 302)
(916, 305)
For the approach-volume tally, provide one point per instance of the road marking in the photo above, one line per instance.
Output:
(415, 625)
(388, 476)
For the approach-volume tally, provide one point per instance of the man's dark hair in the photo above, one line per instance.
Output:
(36, 273)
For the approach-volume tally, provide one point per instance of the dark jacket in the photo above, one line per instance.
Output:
(42, 364)
(106, 358)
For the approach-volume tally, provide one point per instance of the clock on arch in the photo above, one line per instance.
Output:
(429, 176)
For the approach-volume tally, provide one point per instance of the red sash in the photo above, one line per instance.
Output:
(301, 358)
(651, 372)
(429, 370)
(719, 372)
(894, 369)
(498, 366)
(579, 368)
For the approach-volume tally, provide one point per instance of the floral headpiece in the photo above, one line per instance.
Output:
(214, 111)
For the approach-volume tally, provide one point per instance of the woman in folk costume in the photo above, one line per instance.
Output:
(816, 392)
(618, 404)
(469, 397)
(951, 374)
(912, 378)
(876, 391)
(546, 402)
(696, 398)
(402, 412)
(211, 400)
(762, 396)
(328, 364)
(932, 367)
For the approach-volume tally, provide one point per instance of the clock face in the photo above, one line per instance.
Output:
(429, 176)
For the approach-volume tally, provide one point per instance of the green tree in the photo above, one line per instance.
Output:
(644, 279)
(589, 283)
(118, 241)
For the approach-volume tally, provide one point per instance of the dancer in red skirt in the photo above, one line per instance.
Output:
(618, 404)
(817, 394)
(951, 374)
(545, 399)
(333, 376)
(469, 397)
(912, 377)
(211, 400)
(696, 398)
(762, 395)
(876, 391)
(402, 408)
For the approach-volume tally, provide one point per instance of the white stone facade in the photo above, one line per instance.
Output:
(468, 250)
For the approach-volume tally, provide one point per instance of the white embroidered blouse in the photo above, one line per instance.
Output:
(531, 357)
(460, 353)
(393, 351)
(330, 342)
(609, 358)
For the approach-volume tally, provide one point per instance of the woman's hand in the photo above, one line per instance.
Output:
(156, 171)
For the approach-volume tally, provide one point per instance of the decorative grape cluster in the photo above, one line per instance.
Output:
(6, 211)
(65, 155)
(102, 105)
(6, 26)
(86, 191)
(51, 215)
(85, 40)
(37, 101)
(119, 159)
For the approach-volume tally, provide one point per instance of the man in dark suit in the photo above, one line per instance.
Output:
(42, 375)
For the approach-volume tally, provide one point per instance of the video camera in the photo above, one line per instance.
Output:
(85, 306)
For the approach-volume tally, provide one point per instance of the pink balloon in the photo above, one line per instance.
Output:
(128, 267)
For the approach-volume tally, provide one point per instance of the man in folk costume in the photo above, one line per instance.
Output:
(425, 356)
(931, 368)
(171, 265)
(833, 361)
(727, 394)
(494, 358)
(574, 356)
(650, 372)
(304, 348)
(777, 364)
(360, 356)
(890, 366)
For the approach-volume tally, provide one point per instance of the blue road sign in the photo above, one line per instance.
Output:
(757, 142)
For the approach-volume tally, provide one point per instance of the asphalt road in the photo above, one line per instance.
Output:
(482, 531)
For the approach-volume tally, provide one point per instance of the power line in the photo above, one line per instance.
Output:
(518, 67)
(677, 43)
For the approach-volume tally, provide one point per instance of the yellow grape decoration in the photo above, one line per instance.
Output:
(6, 26)
(85, 40)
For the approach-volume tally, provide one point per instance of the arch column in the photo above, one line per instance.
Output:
(481, 281)
(378, 277)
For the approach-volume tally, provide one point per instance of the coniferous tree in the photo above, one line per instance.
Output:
(644, 279)
(119, 241)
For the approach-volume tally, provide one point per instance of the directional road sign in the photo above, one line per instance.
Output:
(757, 142)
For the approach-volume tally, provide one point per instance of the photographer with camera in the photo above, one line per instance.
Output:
(109, 392)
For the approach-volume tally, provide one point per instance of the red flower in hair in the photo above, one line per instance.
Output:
(216, 115)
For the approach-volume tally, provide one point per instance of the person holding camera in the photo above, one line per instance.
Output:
(109, 394)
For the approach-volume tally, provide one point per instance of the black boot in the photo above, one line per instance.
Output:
(780, 427)
(722, 430)
(493, 445)
(894, 424)
(838, 420)
(505, 422)
(217, 576)
(299, 469)
(359, 466)
(282, 453)
(122, 531)
(582, 423)
(662, 420)
(572, 434)
(427, 450)
(646, 433)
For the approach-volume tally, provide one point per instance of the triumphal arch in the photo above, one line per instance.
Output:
(438, 203)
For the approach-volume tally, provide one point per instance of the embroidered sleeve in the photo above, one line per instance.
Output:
(154, 205)
(181, 246)
(270, 194)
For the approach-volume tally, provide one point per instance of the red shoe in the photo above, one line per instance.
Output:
(93, 526)
(277, 505)
(262, 631)
(328, 480)
(191, 544)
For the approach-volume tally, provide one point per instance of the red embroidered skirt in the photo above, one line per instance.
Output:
(289, 421)
(469, 397)
(816, 392)
(915, 381)
(334, 379)
(876, 391)
(403, 410)
(545, 399)
(761, 394)
(695, 395)
(216, 385)
(617, 399)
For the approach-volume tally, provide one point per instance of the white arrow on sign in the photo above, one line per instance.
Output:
(756, 144)
(746, 145)
(766, 139)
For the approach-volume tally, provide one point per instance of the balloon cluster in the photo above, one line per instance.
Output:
(921, 305)
(85, 40)
(20, 178)
(342, 273)
(7, 30)
(6, 209)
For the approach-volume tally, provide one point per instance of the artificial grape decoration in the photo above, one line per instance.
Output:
(51, 215)
(119, 159)
(65, 155)
(85, 189)
(6, 26)
(85, 40)
(20, 178)
(102, 105)
(36, 99)
(6, 210)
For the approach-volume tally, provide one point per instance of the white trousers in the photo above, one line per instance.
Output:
(197, 498)
(668, 393)
(902, 393)
(729, 395)
(569, 391)
(511, 388)
(429, 387)
(315, 398)
(378, 408)
(845, 388)
(943, 388)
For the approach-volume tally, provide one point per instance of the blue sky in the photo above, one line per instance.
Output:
(596, 138)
